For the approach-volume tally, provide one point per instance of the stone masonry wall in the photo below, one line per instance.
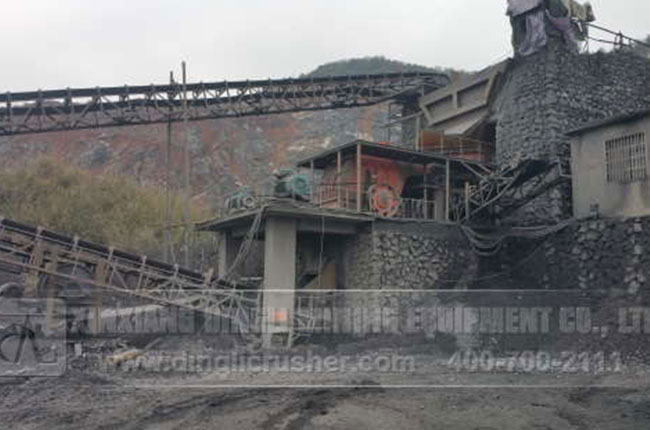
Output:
(546, 95)
(358, 257)
(601, 254)
(394, 255)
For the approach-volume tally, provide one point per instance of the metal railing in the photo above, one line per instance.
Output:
(338, 196)
(462, 147)
(344, 197)
(418, 209)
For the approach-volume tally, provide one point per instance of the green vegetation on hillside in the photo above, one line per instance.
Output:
(642, 49)
(369, 66)
(105, 209)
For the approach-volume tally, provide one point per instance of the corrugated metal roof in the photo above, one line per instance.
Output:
(392, 152)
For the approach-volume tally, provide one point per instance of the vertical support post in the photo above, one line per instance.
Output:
(52, 267)
(101, 273)
(168, 179)
(425, 191)
(447, 189)
(339, 162)
(207, 278)
(228, 248)
(439, 204)
(312, 178)
(388, 126)
(186, 171)
(95, 326)
(36, 261)
(10, 112)
(417, 132)
(467, 208)
(359, 176)
(280, 245)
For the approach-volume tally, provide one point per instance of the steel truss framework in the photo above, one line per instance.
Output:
(509, 188)
(45, 259)
(40, 255)
(71, 109)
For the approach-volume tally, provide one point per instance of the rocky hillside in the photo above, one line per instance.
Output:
(223, 152)
(366, 66)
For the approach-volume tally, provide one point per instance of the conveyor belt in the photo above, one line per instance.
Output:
(38, 252)
(71, 109)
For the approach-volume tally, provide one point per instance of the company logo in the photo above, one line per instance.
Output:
(32, 337)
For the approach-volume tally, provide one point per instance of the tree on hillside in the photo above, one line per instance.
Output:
(642, 49)
(368, 66)
(107, 209)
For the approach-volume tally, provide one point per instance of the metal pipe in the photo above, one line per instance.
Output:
(168, 168)
(186, 170)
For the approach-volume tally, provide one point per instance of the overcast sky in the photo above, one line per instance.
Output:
(78, 43)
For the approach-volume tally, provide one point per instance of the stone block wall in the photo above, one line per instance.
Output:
(610, 255)
(392, 256)
(554, 91)
(396, 255)
(360, 272)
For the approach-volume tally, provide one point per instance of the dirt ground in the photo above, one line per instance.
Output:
(75, 404)
(87, 399)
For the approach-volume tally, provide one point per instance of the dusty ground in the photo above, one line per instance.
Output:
(77, 403)
(86, 399)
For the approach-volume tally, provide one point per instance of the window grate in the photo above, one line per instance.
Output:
(626, 159)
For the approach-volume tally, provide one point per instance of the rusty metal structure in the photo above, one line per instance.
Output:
(503, 190)
(42, 261)
(391, 182)
(443, 179)
(72, 109)
(45, 261)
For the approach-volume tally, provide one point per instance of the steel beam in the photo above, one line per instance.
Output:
(71, 109)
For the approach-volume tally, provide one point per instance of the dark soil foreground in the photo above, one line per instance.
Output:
(82, 402)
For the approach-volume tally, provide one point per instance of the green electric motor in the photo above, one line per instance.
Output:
(289, 184)
(242, 199)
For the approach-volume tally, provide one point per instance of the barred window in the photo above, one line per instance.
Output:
(626, 159)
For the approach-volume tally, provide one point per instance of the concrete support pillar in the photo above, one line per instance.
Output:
(228, 249)
(279, 274)
(439, 199)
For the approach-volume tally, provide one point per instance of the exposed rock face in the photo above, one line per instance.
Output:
(222, 151)
(554, 91)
